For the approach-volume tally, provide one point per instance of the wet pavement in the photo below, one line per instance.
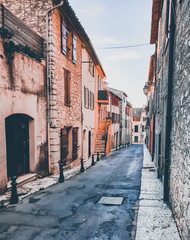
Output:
(70, 210)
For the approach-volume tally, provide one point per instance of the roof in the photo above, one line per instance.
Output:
(116, 90)
(129, 104)
(137, 112)
(73, 20)
(156, 6)
(114, 94)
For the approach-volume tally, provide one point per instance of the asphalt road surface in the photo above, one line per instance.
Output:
(70, 210)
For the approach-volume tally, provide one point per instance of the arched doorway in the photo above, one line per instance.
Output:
(17, 142)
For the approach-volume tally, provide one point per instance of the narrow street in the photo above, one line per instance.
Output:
(70, 210)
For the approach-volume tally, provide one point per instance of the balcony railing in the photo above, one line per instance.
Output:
(103, 97)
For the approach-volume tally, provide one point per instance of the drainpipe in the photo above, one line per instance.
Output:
(169, 103)
(48, 78)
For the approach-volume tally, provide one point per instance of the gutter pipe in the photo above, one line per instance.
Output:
(48, 78)
(169, 103)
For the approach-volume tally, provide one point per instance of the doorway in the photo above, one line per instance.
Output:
(17, 144)
(89, 143)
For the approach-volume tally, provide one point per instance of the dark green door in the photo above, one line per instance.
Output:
(17, 140)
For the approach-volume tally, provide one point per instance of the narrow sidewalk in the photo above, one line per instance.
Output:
(40, 184)
(155, 220)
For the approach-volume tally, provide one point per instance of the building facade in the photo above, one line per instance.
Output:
(138, 126)
(125, 111)
(168, 93)
(23, 128)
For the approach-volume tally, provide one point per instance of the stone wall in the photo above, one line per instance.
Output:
(62, 115)
(180, 135)
(32, 13)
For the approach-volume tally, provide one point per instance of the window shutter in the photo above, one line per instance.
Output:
(89, 104)
(64, 146)
(74, 48)
(67, 80)
(66, 86)
(75, 143)
(63, 38)
(84, 96)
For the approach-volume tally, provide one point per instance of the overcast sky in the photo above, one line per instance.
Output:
(110, 23)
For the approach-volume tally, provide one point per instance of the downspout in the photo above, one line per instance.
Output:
(169, 104)
(48, 79)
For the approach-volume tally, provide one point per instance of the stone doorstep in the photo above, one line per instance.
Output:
(23, 180)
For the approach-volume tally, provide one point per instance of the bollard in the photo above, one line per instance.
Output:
(93, 163)
(61, 176)
(98, 156)
(82, 165)
(14, 195)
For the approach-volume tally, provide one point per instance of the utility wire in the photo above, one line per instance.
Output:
(128, 46)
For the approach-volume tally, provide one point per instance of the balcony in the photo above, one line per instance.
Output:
(103, 97)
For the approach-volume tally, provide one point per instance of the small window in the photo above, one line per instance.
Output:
(136, 139)
(142, 128)
(84, 96)
(63, 38)
(67, 80)
(136, 128)
(93, 71)
(99, 83)
(89, 99)
(74, 48)
(92, 101)
(90, 65)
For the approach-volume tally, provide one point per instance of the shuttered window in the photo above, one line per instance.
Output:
(64, 145)
(67, 83)
(63, 38)
(74, 48)
(75, 143)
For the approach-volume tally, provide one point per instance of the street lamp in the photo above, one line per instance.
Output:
(145, 89)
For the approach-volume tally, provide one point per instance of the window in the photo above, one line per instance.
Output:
(142, 128)
(74, 48)
(86, 97)
(75, 142)
(63, 38)
(90, 65)
(91, 100)
(136, 119)
(99, 82)
(136, 128)
(68, 42)
(67, 80)
(93, 71)
(136, 139)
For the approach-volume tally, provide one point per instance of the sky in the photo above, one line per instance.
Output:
(118, 23)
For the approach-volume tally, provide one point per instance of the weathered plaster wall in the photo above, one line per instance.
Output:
(88, 80)
(25, 93)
